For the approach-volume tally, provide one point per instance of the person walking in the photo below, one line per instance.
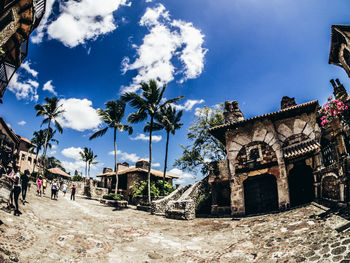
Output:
(64, 189)
(16, 190)
(39, 183)
(58, 189)
(53, 189)
(24, 180)
(44, 185)
(10, 177)
(72, 196)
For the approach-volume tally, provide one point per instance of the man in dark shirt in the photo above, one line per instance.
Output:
(72, 196)
(24, 180)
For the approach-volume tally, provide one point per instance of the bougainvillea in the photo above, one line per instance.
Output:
(331, 110)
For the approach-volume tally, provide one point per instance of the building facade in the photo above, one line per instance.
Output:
(129, 175)
(277, 160)
(18, 19)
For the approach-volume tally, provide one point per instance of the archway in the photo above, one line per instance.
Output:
(260, 194)
(301, 184)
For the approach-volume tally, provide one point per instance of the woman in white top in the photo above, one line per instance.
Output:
(16, 190)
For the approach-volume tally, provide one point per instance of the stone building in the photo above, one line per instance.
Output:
(18, 19)
(129, 175)
(271, 159)
(9, 142)
(26, 157)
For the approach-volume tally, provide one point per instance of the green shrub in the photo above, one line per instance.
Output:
(77, 178)
(204, 204)
(112, 196)
(140, 188)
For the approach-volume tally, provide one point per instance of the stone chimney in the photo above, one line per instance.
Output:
(287, 102)
(123, 166)
(107, 170)
(143, 164)
(338, 90)
(232, 112)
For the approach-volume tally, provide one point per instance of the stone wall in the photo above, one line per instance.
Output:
(158, 206)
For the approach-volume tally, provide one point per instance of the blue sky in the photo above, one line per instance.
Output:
(89, 52)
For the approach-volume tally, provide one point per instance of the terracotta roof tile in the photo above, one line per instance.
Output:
(134, 169)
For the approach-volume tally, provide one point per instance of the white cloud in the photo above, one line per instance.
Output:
(80, 21)
(77, 164)
(72, 166)
(24, 89)
(167, 40)
(183, 177)
(143, 137)
(26, 65)
(40, 31)
(49, 87)
(155, 164)
(22, 123)
(79, 114)
(54, 147)
(124, 156)
(72, 153)
(53, 152)
(188, 105)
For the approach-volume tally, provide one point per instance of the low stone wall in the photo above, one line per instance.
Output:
(158, 206)
(185, 206)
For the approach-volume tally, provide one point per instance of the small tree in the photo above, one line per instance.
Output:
(85, 158)
(205, 148)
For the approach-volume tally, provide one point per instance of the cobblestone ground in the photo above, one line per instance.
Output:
(86, 231)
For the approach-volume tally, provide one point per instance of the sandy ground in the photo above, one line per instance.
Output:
(86, 231)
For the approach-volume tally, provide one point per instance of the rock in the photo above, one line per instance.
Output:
(338, 250)
(154, 255)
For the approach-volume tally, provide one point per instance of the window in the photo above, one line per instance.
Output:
(30, 159)
(254, 154)
(23, 157)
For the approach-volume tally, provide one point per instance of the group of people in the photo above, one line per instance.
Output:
(56, 186)
(20, 184)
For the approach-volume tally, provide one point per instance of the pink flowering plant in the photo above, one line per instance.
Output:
(331, 110)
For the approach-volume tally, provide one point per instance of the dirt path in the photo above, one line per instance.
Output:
(86, 231)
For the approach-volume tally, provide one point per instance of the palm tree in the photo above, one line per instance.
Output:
(91, 160)
(147, 104)
(39, 140)
(169, 118)
(112, 117)
(50, 111)
(85, 157)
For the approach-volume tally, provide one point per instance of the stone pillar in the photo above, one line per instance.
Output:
(232, 112)
(342, 192)
(237, 199)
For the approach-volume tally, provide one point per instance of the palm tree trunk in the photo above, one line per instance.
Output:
(166, 160)
(36, 158)
(86, 164)
(115, 161)
(150, 163)
(89, 170)
(45, 144)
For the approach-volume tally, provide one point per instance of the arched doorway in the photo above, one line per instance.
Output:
(301, 184)
(260, 194)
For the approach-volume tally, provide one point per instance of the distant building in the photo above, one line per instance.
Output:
(9, 143)
(26, 157)
(58, 173)
(16, 149)
(18, 19)
(129, 175)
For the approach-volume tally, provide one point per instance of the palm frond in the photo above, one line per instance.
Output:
(58, 126)
(99, 133)
(138, 116)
